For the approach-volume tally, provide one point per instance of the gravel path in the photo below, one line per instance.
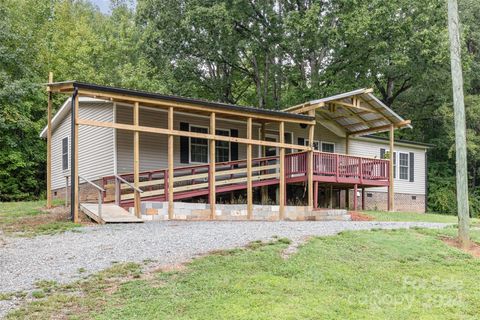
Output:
(24, 261)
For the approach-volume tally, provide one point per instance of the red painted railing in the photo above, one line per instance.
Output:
(191, 181)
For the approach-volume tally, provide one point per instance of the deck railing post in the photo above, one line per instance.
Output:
(171, 182)
(99, 203)
(249, 171)
(117, 191)
(282, 189)
(136, 158)
(211, 175)
(360, 166)
(309, 164)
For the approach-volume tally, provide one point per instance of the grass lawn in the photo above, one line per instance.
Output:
(413, 216)
(399, 274)
(28, 219)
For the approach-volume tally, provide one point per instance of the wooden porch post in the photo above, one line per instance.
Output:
(74, 178)
(355, 198)
(363, 199)
(282, 188)
(249, 171)
(315, 195)
(49, 143)
(211, 176)
(171, 181)
(136, 159)
(391, 191)
(311, 134)
(264, 190)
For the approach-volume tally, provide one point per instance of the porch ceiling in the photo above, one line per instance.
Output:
(356, 112)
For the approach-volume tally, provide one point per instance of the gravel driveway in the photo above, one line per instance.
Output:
(23, 261)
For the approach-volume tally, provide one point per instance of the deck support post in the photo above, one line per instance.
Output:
(264, 189)
(347, 198)
(363, 199)
(211, 171)
(74, 159)
(391, 191)
(249, 171)
(315, 195)
(282, 189)
(49, 143)
(311, 133)
(136, 159)
(355, 197)
(171, 213)
(330, 200)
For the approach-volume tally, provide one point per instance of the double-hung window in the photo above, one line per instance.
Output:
(198, 146)
(403, 165)
(65, 153)
(222, 148)
(328, 147)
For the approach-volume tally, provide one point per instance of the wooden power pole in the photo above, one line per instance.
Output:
(459, 109)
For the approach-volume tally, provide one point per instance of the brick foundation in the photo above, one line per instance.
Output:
(88, 193)
(378, 201)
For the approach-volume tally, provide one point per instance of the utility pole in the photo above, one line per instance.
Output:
(460, 139)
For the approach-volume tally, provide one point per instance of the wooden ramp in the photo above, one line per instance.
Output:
(111, 213)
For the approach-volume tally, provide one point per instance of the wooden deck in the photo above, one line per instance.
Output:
(111, 213)
(192, 181)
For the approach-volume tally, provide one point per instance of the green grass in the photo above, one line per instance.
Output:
(413, 216)
(27, 219)
(399, 274)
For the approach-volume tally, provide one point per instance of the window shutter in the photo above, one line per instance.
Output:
(234, 145)
(184, 142)
(382, 153)
(412, 167)
(301, 141)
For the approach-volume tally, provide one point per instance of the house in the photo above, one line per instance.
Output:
(128, 146)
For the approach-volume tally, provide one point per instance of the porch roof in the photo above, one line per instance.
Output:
(191, 105)
(356, 112)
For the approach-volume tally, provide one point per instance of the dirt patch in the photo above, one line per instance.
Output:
(473, 248)
(358, 216)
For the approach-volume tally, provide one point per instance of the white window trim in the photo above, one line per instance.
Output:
(68, 152)
(328, 142)
(229, 143)
(314, 141)
(190, 144)
(398, 165)
(208, 144)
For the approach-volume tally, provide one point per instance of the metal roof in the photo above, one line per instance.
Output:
(68, 86)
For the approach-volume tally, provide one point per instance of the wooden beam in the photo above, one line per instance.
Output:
(136, 159)
(308, 108)
(385, 127)
(190, 106)
(211, 176)
(75, 200)
(282, 189)
(122, 126)
(171, 181)
(49, 143)
(391, 191)
(311, 134)
(264, 189)
(249, 172)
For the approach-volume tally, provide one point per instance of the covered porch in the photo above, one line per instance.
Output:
(306, 166)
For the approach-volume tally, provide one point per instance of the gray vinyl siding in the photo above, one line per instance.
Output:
(371, 148)
(96, 147)
(153, 147)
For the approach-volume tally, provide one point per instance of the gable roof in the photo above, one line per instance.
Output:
(357, 112)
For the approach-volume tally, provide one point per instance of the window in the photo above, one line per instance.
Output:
(222, 148)
(328, 147)
(65, 153)
(198, 146)
(403, 166)
(316, 144)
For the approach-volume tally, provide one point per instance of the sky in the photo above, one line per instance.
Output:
(104, 5)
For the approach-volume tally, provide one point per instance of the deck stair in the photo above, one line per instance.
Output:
(110, 213)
